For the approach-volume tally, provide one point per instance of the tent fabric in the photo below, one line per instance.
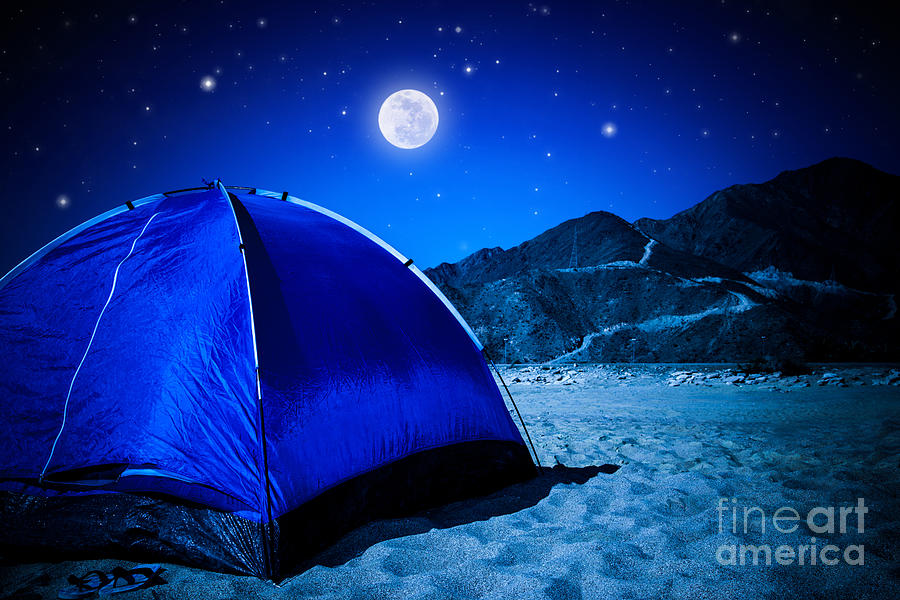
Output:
(242, 355)
(169, 380)
(380, 368)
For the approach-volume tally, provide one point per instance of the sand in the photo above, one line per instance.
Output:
(649, 530)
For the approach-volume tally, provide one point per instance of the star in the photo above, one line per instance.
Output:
(62, 201)
(609, 130)
(208, 83)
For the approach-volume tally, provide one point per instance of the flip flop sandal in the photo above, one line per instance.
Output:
(84, 586)
(125, 580)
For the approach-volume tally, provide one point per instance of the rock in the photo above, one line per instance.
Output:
(834, 379)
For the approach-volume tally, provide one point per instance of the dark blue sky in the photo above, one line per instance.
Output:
(104, 104)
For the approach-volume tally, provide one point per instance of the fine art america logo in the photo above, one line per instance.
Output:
(820, 520)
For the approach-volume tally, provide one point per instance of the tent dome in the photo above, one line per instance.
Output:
(230, 378)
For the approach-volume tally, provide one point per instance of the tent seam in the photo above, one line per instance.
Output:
(112, 291)
(264, 468)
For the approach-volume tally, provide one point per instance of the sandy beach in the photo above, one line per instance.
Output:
(695, 448)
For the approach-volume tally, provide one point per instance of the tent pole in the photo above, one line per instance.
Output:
(266, 528)
(521, 420)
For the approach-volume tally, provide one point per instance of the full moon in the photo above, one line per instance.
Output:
(408, 119)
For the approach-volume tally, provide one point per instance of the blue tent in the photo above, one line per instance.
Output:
(231, 378)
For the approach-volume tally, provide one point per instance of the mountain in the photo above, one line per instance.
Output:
(801, 266)
(835, 220)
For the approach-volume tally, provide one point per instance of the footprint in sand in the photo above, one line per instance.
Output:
(597, 504)
(639, 488)
(682, 504)
(519, 553)
(403, 564)
(626, 562)
(563, 589)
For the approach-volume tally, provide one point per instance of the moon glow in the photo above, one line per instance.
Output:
(408, 119)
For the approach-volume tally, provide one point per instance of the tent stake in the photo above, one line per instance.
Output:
(521, 420)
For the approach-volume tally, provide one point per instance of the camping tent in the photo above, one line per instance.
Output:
(231, 378)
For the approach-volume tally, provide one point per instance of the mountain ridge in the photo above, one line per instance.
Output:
(753, 269)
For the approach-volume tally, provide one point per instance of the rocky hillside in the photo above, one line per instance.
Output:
(837, 220)
(802, 266)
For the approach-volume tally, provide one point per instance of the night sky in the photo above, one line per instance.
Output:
(547, 111)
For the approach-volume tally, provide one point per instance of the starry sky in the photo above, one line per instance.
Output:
(547, 110)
